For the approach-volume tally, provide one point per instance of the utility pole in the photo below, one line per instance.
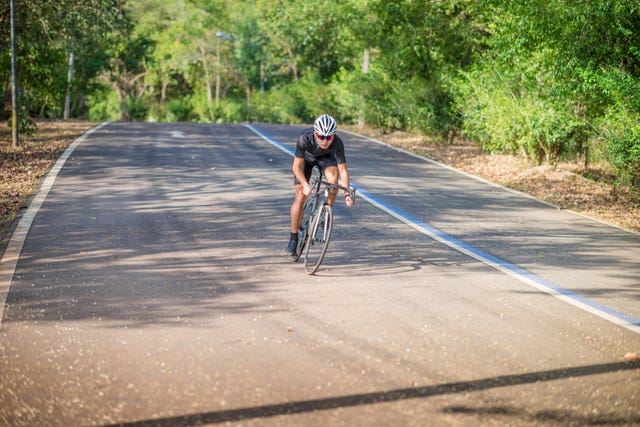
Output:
(14, 80)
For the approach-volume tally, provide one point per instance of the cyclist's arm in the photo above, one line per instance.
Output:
(298, 172)
(344, 175)
(344, 181)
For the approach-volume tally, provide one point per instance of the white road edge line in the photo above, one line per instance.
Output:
(11, 255)
(518, 273)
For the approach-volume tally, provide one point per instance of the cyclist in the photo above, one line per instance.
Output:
(320, 146)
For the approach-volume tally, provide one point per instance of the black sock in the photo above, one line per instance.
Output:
(294, 236)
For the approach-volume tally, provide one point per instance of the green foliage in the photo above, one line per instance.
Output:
(513, 110)
(346, 95)
(46, 32)
(274, 106)
(231, 111)
(228, 110)
(550, 75)
(137, 109)
(180, 110)
(304, 35)
(103, 104)
(621, 131)
(298, 102)
(620, 125)
(545, 78)
(26, 126)
(423, 45)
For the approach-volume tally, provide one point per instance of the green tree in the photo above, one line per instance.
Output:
(126, 70)
(422, 45)
(184, 68)
(46, 33)
(554, 69)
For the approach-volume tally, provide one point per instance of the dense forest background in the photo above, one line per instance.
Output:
(547, 79)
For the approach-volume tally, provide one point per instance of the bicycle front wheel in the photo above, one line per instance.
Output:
(318, 239)
(302, 239)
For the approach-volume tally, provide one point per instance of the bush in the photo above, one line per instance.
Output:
(621, 133)
(516, 109)
(382, 100)
(177, 110)
(137, 109)
(231, 110)
(489, 111)
(297, 102)
(103, 105)
(275, 106)
(346, 94)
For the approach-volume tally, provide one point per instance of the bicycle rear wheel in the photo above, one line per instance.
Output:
(318, 239)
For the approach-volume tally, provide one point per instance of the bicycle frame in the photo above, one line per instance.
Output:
(317, 222)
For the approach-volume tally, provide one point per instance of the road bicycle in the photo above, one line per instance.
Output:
(317, 221)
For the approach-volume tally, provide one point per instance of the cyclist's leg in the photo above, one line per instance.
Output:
(296, 208)
(299, 199)
(296, 217)
(330, 167)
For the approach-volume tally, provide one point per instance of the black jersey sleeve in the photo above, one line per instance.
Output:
(338, 146)
(303, 142)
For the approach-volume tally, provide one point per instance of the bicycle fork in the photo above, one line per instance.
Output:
(321, 225)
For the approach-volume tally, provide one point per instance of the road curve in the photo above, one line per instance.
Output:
(152, 289)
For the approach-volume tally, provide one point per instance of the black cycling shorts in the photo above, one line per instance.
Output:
(323, 162)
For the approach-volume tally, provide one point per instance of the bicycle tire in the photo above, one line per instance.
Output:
(307, 212)
(318, 239)
(302, 240)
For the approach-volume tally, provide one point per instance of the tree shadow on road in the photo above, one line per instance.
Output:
(306, 406)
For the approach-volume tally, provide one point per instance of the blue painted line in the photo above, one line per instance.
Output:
(514, 271)
(272, 140)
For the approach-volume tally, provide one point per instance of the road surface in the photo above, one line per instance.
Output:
(152, 289)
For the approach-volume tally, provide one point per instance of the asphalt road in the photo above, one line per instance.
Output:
(153, 289)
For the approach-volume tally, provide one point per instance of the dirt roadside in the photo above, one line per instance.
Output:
(563, 185)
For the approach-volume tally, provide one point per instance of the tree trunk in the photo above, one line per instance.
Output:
(365, 70)
(122, 98)
(207, 76)
(67, 99)
(217, 75)
(163, 91)
(294, 64)
(14, 80)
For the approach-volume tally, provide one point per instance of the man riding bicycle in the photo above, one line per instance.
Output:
(320, 146)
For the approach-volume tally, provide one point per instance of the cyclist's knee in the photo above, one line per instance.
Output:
(300, 197)
(331, 173)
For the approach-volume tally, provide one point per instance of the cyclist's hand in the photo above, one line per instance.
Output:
(348, 200)
(306, 190)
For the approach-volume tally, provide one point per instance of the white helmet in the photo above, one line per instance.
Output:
(325, 125)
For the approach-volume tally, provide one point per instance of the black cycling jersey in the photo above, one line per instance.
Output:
(308, 149)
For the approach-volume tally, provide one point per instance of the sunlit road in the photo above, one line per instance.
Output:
(153, 289)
